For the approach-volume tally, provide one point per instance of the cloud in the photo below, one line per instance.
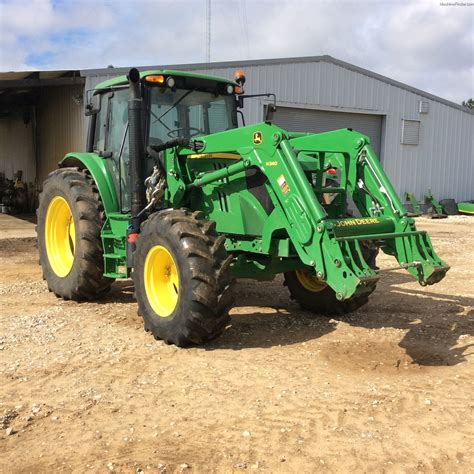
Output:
(417, 42)
(41, 28)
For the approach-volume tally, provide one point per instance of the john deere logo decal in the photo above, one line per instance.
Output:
(363, 221)
(257, 138)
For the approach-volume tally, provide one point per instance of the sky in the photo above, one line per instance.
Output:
(424, 43)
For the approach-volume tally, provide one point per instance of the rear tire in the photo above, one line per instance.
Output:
(182, 278)
(70, 217)
(320, 298)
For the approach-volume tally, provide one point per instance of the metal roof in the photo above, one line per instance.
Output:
(296, 60)
(15, 79)
(20, 88)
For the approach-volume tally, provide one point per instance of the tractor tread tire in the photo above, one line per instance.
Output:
(205, 294)
(85, 281)
(324, 302)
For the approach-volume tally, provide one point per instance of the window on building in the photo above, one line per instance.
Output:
(410, 132)
(424, 107)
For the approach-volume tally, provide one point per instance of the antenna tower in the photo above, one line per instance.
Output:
(208, 31)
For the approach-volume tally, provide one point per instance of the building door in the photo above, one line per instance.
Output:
(317, 121)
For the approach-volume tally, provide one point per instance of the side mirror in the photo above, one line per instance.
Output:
(270, 110)
(93, 103)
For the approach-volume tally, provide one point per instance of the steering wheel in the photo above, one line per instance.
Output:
(176, 130)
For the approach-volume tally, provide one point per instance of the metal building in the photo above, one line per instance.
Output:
(41, 119)
(424, 142)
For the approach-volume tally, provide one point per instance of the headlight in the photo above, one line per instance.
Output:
(230, 89)
(170, 82)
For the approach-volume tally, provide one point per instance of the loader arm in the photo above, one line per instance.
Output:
(296, 169)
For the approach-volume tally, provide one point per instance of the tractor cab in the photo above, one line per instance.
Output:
(175, 103)
(186, 107)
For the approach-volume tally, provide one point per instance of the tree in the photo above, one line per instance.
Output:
(469, 103)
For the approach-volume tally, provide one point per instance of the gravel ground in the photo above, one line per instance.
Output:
(387, 389)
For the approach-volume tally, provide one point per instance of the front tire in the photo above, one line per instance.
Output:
(70, 217)
(182, 278)
(318, 297)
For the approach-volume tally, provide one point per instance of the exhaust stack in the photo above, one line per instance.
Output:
(136, 145)
(137, 151)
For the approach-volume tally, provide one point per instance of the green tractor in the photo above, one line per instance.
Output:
(173, 193)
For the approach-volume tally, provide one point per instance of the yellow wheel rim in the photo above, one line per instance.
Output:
(60, 236)
(310, 282)
(161, 281)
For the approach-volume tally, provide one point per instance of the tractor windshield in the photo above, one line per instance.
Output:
(188, 113)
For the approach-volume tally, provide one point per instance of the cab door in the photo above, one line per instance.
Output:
(111, 142)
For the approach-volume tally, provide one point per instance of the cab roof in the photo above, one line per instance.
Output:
(122, 80)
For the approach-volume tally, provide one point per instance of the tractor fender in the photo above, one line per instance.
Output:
(100, 175)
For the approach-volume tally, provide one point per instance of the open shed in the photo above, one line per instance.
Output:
(41, 119)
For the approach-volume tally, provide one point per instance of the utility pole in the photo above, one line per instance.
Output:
(208, 31)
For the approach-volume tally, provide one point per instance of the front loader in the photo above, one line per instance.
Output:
(173, 193)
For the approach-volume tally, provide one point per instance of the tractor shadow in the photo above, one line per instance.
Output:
(436, 324)
(263, 316)
(122, 291)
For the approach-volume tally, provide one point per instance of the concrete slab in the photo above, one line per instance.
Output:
(17, 227)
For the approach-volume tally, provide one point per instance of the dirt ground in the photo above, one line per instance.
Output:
(387, 389)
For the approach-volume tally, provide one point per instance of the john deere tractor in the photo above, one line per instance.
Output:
(175, 194)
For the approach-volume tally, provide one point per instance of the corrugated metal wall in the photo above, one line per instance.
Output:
(60, 126)
(444, 159)
(317, 121)
(17, 150)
